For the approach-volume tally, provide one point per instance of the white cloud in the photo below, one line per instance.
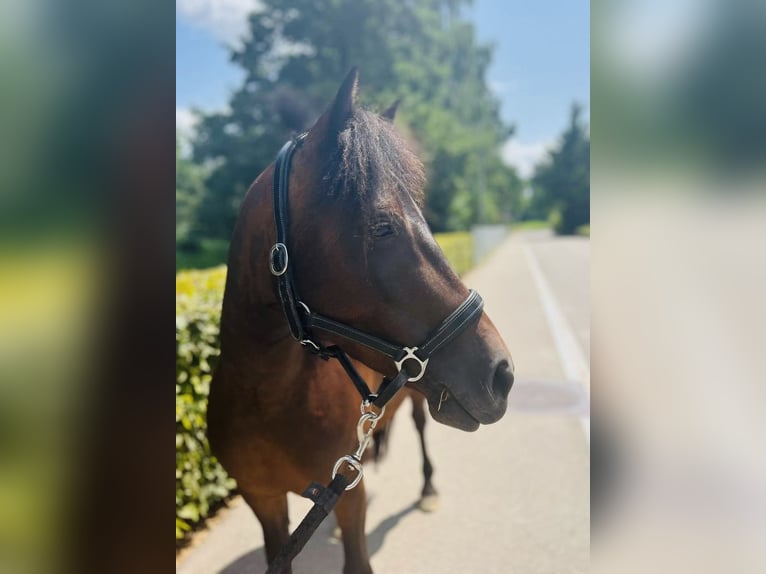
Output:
(226, 20)
(185, 124)
(185, 121)
(524, 156)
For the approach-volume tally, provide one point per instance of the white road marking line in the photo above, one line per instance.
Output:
(572, 358)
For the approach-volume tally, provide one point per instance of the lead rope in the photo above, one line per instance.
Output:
(326, 497)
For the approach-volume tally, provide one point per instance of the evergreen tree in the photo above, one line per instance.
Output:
(561, 184)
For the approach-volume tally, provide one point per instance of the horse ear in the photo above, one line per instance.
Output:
(335, 118)
(390, 112)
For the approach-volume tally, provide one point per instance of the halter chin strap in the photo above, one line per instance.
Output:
(302, 321)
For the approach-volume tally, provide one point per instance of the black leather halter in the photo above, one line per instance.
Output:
(303, 321)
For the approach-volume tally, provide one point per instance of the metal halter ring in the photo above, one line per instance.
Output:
(278, 248)
(410, 354)
(355, 464)
(368, 404)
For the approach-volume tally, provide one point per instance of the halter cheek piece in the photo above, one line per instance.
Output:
(303, 321)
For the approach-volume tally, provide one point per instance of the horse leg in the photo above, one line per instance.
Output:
(429, 498)
(271, 511)
(350, 513)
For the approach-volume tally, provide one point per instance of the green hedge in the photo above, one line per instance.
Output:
(458, 247)
(201, 482)
(530, 224)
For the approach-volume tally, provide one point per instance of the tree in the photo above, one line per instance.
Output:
(190, 190)
(420, 51)
(561, 183)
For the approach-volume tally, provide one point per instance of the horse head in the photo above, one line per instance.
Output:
(363, 255)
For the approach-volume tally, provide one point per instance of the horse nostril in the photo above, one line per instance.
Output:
(502, 380)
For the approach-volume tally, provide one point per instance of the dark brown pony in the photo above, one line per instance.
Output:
(279, 417)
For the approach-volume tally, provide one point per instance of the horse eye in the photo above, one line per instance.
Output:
(382, 229)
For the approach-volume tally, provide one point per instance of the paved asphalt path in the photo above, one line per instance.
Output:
(514, 496)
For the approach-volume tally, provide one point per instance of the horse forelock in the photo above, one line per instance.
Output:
(373, 162)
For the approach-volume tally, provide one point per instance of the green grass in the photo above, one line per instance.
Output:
(583, 230)
(529, 225)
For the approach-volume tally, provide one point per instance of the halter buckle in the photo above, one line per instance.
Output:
(410, 354)
(278, 248)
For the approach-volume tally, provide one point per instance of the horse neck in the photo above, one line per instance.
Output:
(252, 320)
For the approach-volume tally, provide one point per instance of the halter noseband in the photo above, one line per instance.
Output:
(302, 321)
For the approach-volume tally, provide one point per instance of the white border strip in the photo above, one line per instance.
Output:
(573, 360)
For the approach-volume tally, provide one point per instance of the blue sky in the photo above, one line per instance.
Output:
(541, 62)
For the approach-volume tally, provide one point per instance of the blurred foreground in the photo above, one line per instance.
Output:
(677, 379)
(678, 279)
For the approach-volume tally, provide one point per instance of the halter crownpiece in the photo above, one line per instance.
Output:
(302, 321)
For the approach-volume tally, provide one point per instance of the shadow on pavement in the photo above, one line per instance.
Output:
(322, 553)
(254, 561)
(376, 537)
